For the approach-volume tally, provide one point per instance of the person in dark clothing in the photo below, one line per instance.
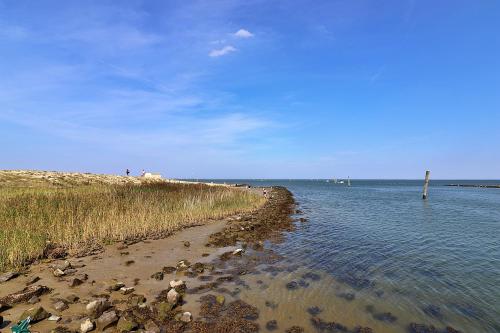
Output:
(127, 172)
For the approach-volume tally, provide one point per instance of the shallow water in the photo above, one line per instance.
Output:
(380, 248)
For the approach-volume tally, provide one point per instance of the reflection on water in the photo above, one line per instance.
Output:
(387, 258)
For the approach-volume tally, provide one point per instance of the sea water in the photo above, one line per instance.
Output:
(386, 257)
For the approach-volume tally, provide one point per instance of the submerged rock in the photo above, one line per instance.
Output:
(385, 316)
(421, 328)
(293, 285)
(327, 326)
(347, 296)
(314, 311)
(272, 325)
(242, 309)
(295, 329)
(433, 311)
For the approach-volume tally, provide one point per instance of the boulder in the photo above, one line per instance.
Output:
(106, 320)
(86, 326)
(24, 295)
(8, 276)
(173, 297)
(96, 308)
(126, 325)
(36, 314)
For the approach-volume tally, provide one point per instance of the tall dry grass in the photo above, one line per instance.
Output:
(32, 217)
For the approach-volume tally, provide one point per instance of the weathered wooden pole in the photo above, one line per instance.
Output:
(426, 184)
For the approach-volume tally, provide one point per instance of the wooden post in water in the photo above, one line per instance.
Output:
(426, 184)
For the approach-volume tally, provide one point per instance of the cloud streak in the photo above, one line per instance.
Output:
(221, 52)
(243, 33)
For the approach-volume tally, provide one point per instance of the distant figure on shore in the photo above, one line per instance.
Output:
(143, 173)
(127, 172)
(264, 191)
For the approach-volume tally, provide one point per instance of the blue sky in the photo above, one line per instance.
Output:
(252, 89)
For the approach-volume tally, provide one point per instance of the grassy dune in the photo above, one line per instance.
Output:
(34, 214)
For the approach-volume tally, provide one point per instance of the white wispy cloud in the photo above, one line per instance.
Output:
(220, 52)
(243, 33)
